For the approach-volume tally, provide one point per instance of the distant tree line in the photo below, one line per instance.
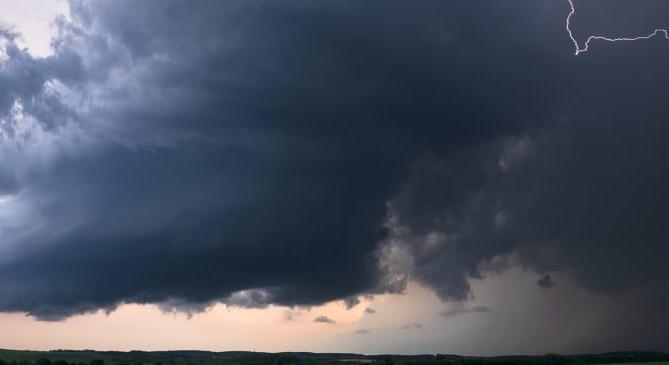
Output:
(202, 358)
(51, 362)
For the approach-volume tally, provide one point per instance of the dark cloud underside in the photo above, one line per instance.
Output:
(259, 153)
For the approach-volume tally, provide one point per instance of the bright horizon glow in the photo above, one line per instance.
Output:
(221, 328)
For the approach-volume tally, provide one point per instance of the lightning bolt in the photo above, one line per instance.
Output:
(586, 45)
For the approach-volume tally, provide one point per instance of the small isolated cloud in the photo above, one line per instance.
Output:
(370, 310)
(412, 326)
(361, 332)
(459, 309)
(546, 282)
(324, 319)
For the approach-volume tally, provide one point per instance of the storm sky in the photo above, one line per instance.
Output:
(371, 176)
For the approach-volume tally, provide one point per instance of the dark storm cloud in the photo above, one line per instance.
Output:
(370, 310)
(586, 193)
(362, 332)
(21, 77)
(293, 153)
(243, 152)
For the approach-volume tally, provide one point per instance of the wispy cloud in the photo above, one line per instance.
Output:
(458, 310)
(546, 282)
(324, 319)
(412, 326)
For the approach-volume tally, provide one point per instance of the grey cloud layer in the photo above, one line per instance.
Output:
(260, 153)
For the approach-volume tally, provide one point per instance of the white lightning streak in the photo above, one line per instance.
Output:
(586, 45)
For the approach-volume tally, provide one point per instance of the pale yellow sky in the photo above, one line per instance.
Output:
(146, 327)
(220, 328)
(564, 309)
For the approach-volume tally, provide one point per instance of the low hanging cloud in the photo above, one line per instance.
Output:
(351, 302)
(324, 319)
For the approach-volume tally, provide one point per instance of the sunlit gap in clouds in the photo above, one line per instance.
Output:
(34, 21)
